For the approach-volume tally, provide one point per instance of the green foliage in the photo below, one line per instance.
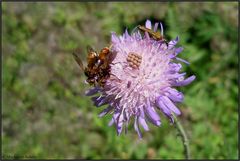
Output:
(47, 115)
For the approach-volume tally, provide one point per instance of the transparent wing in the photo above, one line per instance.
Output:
(76, 55)
(90, 49)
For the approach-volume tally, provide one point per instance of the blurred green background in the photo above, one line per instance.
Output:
(46, 115)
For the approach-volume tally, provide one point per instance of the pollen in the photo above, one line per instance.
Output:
(134, 60)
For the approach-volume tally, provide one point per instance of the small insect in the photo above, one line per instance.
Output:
(97, 70)
(104, 61)
(155, 35)
(92, 57)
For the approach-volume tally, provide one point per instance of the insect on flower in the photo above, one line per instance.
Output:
(142, 79)
(98, 65)
(156, 35)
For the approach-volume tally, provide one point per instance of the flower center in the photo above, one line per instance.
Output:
(134, 60)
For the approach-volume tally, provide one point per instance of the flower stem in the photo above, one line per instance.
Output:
(183, 135)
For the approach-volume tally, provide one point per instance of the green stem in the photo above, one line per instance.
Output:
(183, 135)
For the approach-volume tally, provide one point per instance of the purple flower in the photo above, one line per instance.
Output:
(143, 76)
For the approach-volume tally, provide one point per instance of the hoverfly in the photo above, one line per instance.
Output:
(155, 35)
(98, 65)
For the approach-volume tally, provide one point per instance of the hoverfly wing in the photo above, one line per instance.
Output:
(90, 49)
(76, 55)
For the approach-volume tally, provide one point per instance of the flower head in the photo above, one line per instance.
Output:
(143, 75)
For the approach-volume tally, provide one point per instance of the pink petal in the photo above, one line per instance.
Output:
(148, 24)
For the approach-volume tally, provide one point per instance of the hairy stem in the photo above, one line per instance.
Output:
(183, 135)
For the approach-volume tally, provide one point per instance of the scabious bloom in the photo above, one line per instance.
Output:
(143, 75)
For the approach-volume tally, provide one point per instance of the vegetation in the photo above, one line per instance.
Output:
(46, 115)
